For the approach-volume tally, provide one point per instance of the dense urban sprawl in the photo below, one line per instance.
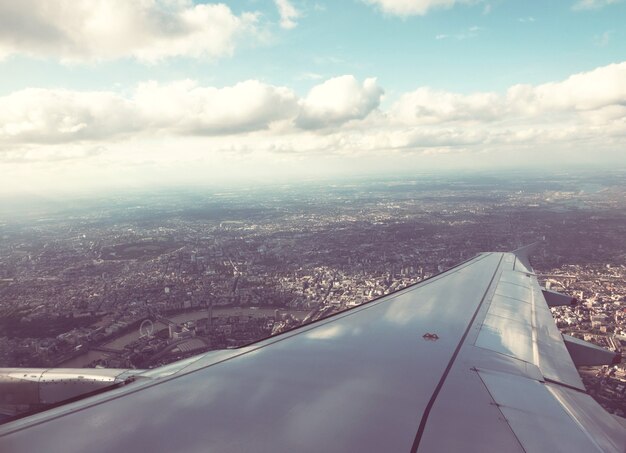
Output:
(145, 279)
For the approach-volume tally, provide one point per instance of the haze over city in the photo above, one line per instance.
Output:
(115, 94)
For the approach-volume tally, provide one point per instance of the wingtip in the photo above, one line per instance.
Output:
(527, 250)
(523, 253)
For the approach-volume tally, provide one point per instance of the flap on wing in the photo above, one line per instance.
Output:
(588, 354)
(554, 299)
(519, 324)
(535, 415)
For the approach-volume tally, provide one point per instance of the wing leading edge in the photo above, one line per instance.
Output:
(468, 360)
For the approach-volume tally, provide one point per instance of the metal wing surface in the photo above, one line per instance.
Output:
(469, 360)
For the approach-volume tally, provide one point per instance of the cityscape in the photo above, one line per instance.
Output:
(366, 225)
(143, 279)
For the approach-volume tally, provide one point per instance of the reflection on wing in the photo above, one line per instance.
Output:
(469, 360)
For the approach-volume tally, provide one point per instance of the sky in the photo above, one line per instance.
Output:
(97, 95)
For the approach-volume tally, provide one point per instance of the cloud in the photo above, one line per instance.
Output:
(288, 13)
(338, 100)
(188, 109)
(148, 30)
(471, 32)
(594, 90)
(428, 106)
(414, 7)
(29, 155)
(592, 4)
(60, 116)
(181, 108)
(309, 76)
(341, 116)
(603, 39)
(602, 87)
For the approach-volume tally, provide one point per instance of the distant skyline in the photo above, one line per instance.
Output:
(114, 94)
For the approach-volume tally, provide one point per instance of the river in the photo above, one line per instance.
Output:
(86, 358)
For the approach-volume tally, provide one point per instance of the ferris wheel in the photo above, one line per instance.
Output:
(146, 328)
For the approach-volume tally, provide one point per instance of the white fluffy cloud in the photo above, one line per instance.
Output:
(414, 7)
(339, 100)
(288, 13)
(181, 108)
(339, 116)
(601, 89)
(58, 116)
(188, 109)
(149, 30)
(428, 106)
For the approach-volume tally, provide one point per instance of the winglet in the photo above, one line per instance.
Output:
(523, 253)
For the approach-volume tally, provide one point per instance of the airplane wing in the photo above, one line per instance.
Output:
(469, 360)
